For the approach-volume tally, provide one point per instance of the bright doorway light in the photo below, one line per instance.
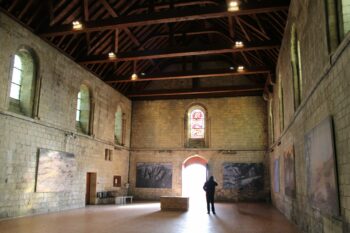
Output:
(193, 179)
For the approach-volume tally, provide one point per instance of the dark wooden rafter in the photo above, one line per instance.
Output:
(195, 74)
(170, 16)
(169, 40)
(171, 5)
(64, 12)
(177, 52)
(193, 92)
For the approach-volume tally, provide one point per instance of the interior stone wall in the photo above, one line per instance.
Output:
(54, 128)
(325, 92)
(237, 131)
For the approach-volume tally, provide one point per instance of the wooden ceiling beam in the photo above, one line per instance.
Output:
(170, 53)
(169, 16)
(213, 73)
(200, 91)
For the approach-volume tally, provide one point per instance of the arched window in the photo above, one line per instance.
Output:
(82, 117)
(296, 67)
(118, 127)
(22, 86)
(196, 126)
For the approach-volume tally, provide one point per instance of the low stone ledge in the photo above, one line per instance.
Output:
(175, 203)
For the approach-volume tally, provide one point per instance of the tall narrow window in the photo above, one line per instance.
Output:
(196, 126)
(197, 122)
(118, 127)
(296, 67)
(78, 112)
(22, 86)
(272, 135)
(281, 105)
(82, 117)
(16, 78)
(345, 17)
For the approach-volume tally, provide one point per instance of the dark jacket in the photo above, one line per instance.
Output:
(209, 186)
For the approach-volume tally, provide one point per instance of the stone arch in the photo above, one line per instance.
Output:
(195, 159)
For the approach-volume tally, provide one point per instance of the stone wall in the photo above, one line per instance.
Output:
(325, 92)
(237, 132)
(54, 128)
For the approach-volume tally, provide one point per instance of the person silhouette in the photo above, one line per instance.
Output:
(209, 188)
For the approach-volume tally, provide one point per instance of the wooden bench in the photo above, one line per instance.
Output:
(122, 200)
(174, 203)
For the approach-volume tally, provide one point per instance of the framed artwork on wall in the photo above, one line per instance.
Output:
(289, 172)
(154, 175)
(322, 186)
(276, 175)
(243, 175)
(117, 181)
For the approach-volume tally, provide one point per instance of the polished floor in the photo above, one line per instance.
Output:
(147, 217)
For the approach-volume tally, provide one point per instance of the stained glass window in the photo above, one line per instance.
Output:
(197, 123)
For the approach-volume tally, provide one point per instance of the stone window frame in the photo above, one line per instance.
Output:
(84, 124)
(28, 102)
(196, 143)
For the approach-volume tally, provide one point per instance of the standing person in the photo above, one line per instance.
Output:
(209, 188)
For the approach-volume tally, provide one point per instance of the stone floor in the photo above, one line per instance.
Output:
(147, 217)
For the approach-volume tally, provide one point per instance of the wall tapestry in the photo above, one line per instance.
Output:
(55, 171)
(321, 168)
(154, 175)
(243, 175)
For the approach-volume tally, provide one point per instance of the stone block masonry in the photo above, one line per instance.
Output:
(325, 92)
(54, 129)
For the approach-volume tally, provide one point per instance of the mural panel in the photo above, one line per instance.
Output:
(321, 171)
(243, 175)
(289, 173)
(154, 175)
(55, 171)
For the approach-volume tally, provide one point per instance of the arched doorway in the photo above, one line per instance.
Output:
(194, 174)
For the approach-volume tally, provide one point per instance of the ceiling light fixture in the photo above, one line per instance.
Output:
(77, 25)
(112, 55)
(239, 44)
(240, 68)
(232, 68)
(134, 76)
(233, 6)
